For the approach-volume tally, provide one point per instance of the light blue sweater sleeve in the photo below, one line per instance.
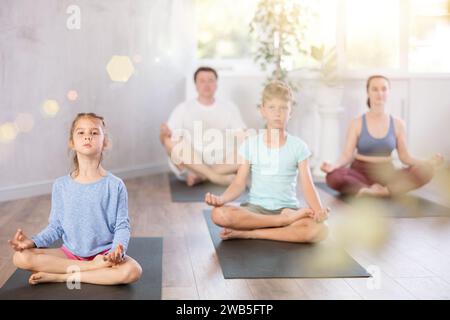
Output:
(54, 230)
(122, 230)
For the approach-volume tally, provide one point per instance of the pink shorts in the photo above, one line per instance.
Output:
(71, 256)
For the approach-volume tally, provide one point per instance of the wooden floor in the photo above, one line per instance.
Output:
(414, 263)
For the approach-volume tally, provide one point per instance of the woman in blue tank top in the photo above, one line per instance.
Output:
(375, 135)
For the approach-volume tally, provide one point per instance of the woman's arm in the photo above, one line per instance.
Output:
(350, 144)
(310, 192)
(234, 190)
(402, 149)
(349, 149)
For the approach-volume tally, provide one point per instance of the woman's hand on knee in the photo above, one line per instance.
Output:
(213, 200)
(436, 160)
(21, 242)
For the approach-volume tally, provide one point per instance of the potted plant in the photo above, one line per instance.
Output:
(330, 91)
(279, 28)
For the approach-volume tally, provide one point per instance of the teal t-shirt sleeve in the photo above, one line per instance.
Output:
(303, 152)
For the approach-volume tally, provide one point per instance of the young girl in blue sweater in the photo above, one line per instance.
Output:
(89, 213)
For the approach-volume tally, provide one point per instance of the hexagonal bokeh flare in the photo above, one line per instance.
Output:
(120, 68)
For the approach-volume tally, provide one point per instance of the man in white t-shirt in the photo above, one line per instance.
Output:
(202, 134)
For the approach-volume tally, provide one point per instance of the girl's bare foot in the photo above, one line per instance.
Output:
(43, 277)
(100, 262)
(192, 179)
(227, 234)
(290, 215)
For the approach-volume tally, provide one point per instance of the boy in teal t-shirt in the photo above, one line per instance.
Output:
(275, 159)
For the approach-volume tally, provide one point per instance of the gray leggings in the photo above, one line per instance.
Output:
(258, 209)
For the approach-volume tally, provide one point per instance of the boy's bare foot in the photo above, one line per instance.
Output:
(227, 234)
(290, 215)
(43, 277)
(223, 179)
(192, 179)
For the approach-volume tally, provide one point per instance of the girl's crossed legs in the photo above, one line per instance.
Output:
(52, 265)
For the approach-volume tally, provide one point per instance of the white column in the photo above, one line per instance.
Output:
(330, 113)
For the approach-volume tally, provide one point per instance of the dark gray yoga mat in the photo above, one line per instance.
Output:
(180, 192)
(405, 206)
(146, 251)
(245, 259)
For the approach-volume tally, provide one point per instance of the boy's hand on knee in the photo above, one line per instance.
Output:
(327, 167)
(321, 215)
(21, 242)
(116, 256)
(212, 200)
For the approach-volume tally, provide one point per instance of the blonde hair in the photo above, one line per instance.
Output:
(277, 89)
(91, 115)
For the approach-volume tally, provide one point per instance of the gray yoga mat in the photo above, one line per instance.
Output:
(405, 206)
(180, 192)
(146, 251)
(245, 259)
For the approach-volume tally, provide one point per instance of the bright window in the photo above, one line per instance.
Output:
(223, 28)
(372, 34)
(399, 35)
(429, 41)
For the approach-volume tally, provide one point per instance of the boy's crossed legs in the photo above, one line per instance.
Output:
(290, 225)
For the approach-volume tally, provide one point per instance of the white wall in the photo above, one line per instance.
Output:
(429, 116)
(40, 58)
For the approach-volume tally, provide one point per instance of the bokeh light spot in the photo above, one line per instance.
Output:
(363, 224)
(50, 108)
(24, 122)
(8, 132)
(72, 95)
(120, 68)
